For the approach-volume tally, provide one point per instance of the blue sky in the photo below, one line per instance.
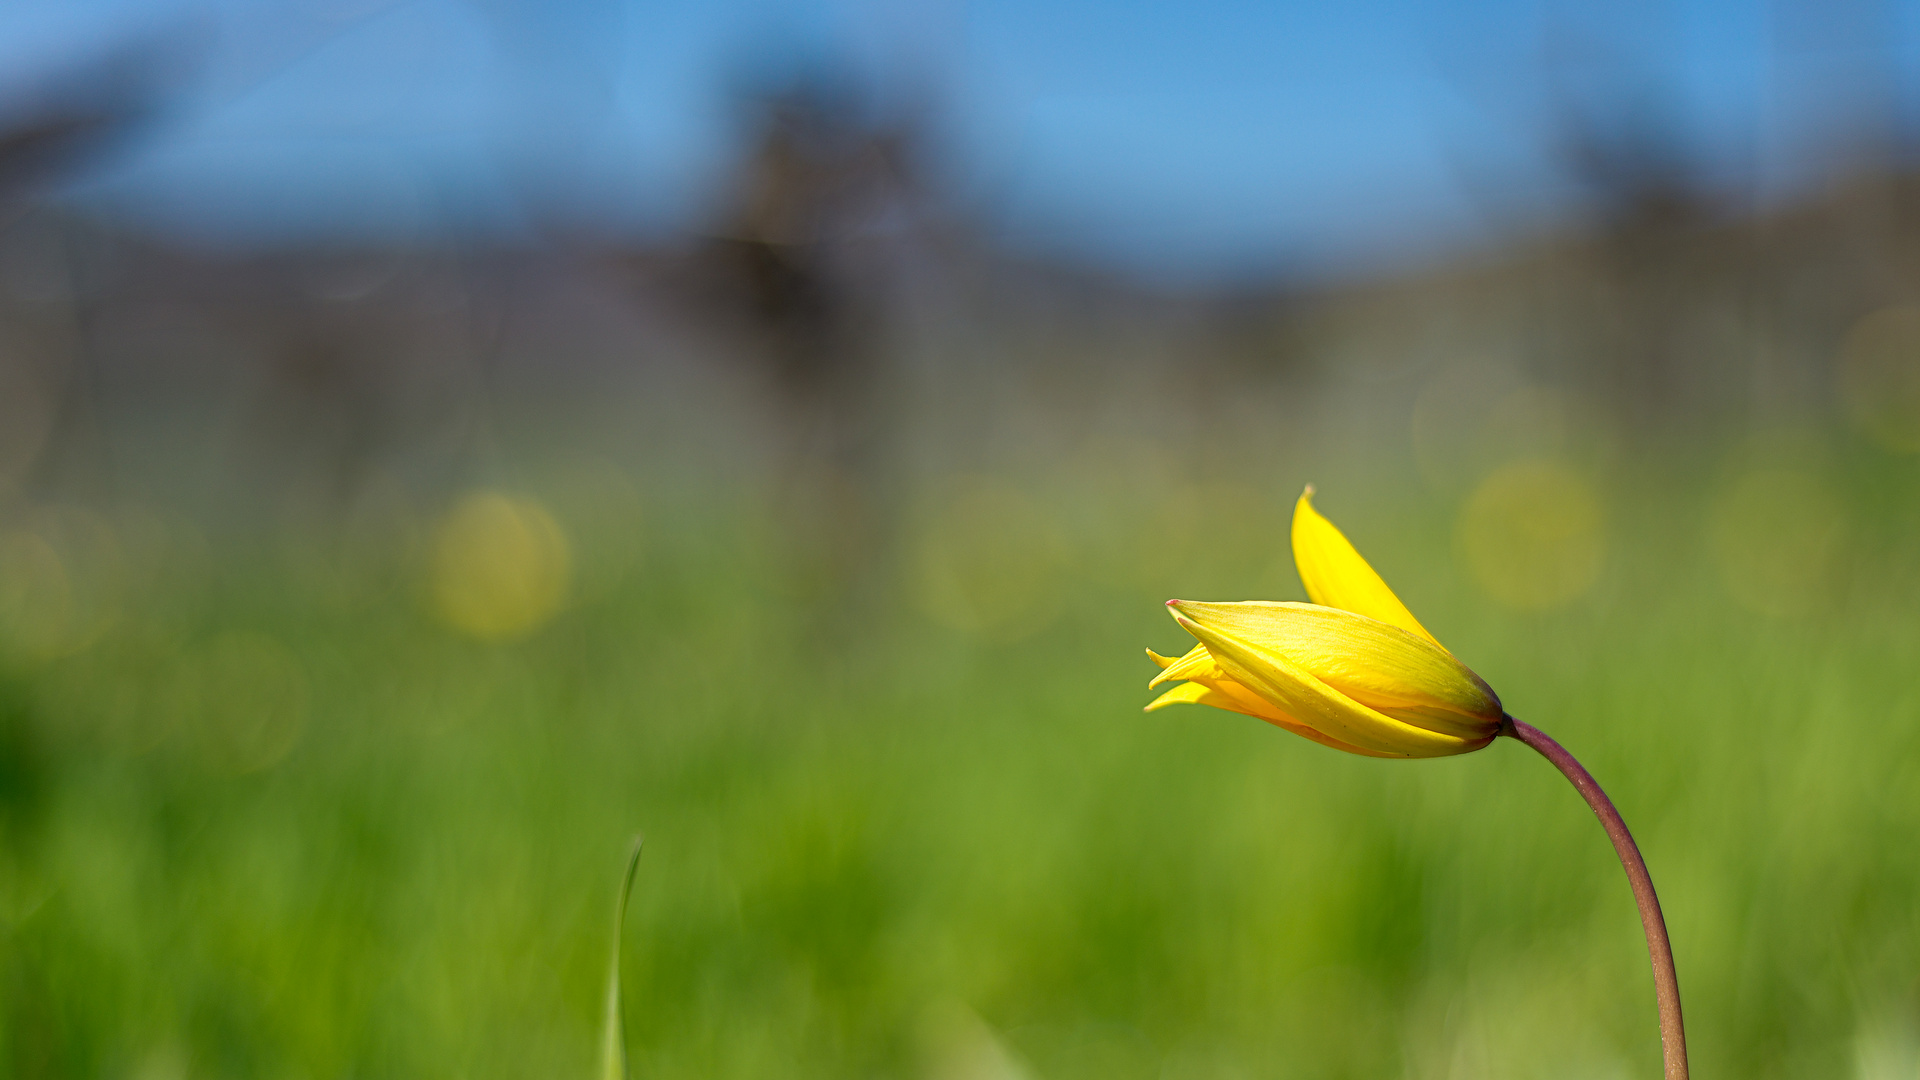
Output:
(1207, 137)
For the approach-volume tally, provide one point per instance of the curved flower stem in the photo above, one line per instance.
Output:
(1666, 985)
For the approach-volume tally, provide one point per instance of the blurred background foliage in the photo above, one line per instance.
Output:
(359, 598)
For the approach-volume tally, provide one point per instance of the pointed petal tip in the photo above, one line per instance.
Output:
(1163, 662)
(1175, 603)
(1337, 576)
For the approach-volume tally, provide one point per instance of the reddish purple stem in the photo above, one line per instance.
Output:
(1666, 985)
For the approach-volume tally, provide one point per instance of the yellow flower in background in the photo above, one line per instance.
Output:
(1353, 670)
(500, 566)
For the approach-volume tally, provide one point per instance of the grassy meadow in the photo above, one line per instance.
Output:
(304, 802)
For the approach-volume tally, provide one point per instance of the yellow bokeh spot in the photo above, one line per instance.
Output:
(1775, 535)
(989, 561)
(1880, 377)
(1533, 536)
(500, 566)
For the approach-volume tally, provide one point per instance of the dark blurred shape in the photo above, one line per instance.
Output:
(801, 267)
(844, 318)
(63, 123)
(773, 255)
(57, 126)
(1649, 214)
(1631, 167)
(42, 147)
(820, 178)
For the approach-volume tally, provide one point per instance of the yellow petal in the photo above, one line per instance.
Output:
(1196, 664)
(1193, 693)
(1247, 702)
(1306, 699)
(1166, 662)
(1223, 692)
(1336, 576)
(1383, 667)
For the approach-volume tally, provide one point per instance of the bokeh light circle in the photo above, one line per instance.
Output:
(500, 566)
(1533, 535)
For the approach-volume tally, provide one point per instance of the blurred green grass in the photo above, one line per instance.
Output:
(888, 844)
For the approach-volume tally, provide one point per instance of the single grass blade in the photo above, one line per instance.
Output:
(613, 1043)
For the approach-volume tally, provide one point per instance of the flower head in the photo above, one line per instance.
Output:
(1353, 670)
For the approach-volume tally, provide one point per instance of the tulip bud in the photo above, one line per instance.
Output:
(1367, 678)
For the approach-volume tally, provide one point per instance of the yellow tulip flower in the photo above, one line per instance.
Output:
(1353, 670)
(1356, 671)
